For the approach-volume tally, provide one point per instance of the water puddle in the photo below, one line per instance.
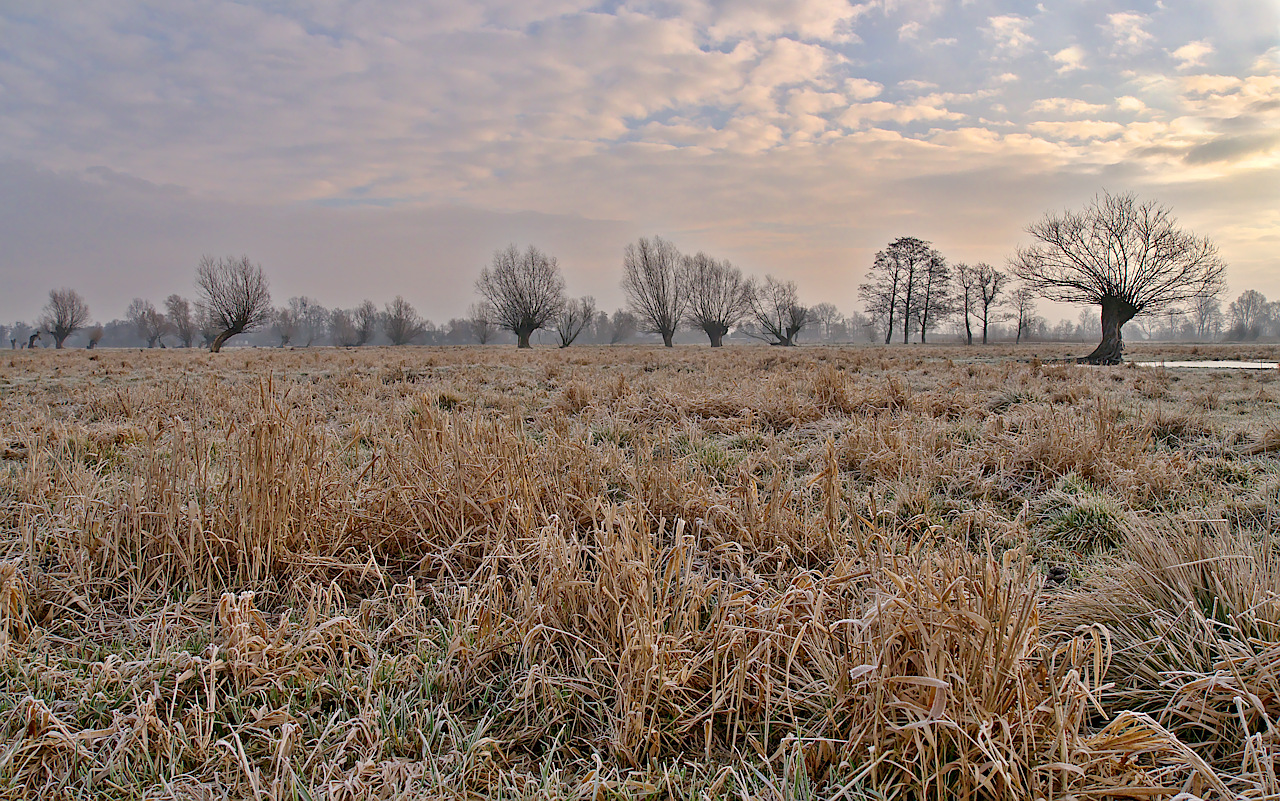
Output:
(1220, 363)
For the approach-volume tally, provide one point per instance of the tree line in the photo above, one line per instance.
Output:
(1127, 258)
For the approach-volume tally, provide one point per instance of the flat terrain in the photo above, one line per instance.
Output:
(629, 572)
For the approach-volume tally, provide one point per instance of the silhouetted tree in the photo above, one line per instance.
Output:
(828, 317)
(718, 296)
(181, 319)
(284, 324)
(891, 291)
(936, 301)
(401, 323)
(576, 315)
(775, 305)
(234, 297)
(654, 286)
(64, 314)
(95, 336)
(1129, 258)
(1248, 314)
(525, 290)
(149, 323)
(1022, 306)
(480, 319)
(622, 326)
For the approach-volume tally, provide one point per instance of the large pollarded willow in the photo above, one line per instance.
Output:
(1130, 258)
(525, 290)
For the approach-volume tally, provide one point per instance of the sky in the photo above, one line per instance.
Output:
(372, 148)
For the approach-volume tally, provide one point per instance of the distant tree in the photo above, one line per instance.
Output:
(525, 290)
(1205, 310)
(775, 306)
(95, 336)
(342, 329)
(1248, 314)
(936, 299)
(826, 316)
(1128, 258)
(1022, 307)
(285, 325)
(366, 318)
(990, 285)
(181, 320)
(401, 323)
(652, 279)
(64, 314)
(622, 326)
(310, 320)
(147, 321)
(573, 318)
(233, 295)
(718, 296)
(480, 318)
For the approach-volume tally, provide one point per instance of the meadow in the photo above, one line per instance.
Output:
(631, 572)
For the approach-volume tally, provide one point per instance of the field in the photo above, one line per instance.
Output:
(627, 572)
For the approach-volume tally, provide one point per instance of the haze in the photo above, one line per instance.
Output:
(368, 149)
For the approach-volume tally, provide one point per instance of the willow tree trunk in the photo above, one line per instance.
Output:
(223, 337)
(1115, 313)
(522, 337)
(715, 333)
(667, 337)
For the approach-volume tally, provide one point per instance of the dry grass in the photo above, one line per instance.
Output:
(634, 573)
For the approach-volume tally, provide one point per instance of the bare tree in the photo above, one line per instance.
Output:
(653, 282)
(775, 305)
(233, 295)
(150, 323)
(181, 319)
(718, 296)
(64, 314)
(936, 300)
(1247, 314)
(891, 293)
(622, 326)
(990, 286)
(480, 320)
(1022, 305)
(525, 290)
(95, 336)
(342, 329)
(966, 297)
(1127, 257)
(309, 319)
(573, 318)
(827, 316)
(401, 322)
(284, 324)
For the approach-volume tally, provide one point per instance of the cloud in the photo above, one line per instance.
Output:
(1077, 129)
(1127, 30)
(1067, 106)
(1009, 32)
(1129, 103)
(1069, 58)
(1233, 148)
(909, 31)
(1192, 54)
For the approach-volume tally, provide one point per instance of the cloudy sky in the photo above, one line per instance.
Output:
(367, 148)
